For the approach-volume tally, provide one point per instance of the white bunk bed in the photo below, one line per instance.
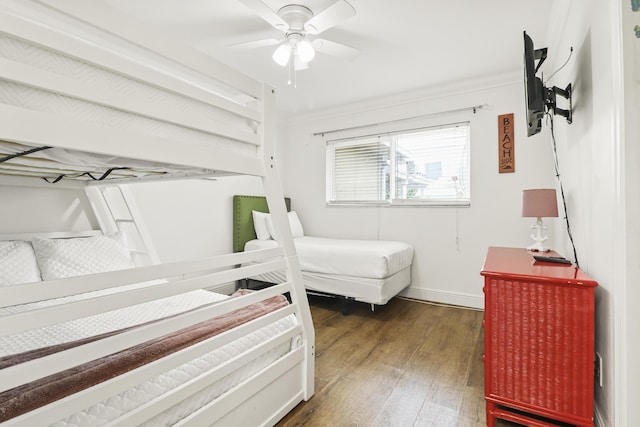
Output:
(87, 94)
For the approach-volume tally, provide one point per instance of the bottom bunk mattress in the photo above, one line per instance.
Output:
(20, 346)
(371, 271)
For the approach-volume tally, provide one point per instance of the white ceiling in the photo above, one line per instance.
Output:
(404, 45)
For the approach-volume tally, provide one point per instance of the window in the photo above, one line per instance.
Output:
(418, 166)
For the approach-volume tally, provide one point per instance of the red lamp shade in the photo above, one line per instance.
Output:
(539, 203)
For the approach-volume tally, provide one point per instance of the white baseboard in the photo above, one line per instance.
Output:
(453, 298)
(598, 417)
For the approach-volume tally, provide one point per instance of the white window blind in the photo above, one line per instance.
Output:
(418, 166)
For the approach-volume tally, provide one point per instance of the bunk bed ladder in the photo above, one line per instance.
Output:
(116, 210)
(275, 200)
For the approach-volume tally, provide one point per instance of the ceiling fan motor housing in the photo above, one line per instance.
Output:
(295, 16)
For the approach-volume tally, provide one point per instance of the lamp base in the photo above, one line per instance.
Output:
(538, 238)
(537, 247)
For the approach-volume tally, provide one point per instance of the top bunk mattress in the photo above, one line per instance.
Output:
(85, 102)
(374, 259)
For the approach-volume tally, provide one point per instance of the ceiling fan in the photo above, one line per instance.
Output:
(297, 22)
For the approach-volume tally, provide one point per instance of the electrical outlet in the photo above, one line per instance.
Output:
(598, 369)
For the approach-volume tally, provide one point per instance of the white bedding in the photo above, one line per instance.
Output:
(99, 323)
(361, 258)
(110, 409)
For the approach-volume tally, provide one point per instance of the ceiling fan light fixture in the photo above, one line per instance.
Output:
(305, 51)
(282, 54)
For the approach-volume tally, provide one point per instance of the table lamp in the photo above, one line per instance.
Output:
(539, 203)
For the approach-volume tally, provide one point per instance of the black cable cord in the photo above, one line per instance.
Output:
(53, 181)
(103, 176)
(564, 201)
(561, 67)
(24, 153)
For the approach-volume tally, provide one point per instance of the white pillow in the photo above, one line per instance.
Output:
(18, 263)
(294, 224)
(61, 258)
(260, 225)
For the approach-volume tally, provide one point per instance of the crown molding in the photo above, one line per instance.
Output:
(409, 97)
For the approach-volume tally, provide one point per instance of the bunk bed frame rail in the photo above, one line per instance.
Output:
(200, 118)
(288, 370)
(82, 104)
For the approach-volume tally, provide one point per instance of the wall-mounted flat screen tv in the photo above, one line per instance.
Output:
(533, 87)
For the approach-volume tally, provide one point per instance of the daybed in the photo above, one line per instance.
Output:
(370, 271)
(90, 95)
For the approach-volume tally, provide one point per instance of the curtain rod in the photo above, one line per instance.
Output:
(472, 108)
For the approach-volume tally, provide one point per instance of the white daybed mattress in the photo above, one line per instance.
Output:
(113, 407)
(373, 259)
(370, 271)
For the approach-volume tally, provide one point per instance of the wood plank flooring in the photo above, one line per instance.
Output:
(406, 364)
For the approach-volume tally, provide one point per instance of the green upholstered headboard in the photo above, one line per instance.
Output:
(243, 230)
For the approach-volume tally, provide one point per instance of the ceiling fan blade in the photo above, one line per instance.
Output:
(255, 44)
(266, 13)
(335, 49)
(334, 14)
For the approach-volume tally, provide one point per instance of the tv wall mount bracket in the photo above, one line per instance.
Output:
(551, 104)
(550, 94)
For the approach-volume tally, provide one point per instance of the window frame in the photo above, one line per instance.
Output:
(393, 169)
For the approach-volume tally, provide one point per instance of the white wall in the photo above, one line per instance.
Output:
(450, 243)
(631, 295)
(186, 219)
(600, 162)
(44, 209)
(191, 219)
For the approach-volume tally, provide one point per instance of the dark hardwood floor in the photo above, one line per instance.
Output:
(406, 364)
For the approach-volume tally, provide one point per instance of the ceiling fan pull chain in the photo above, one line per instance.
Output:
(295, 72)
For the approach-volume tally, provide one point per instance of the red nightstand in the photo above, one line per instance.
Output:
(539, 333)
